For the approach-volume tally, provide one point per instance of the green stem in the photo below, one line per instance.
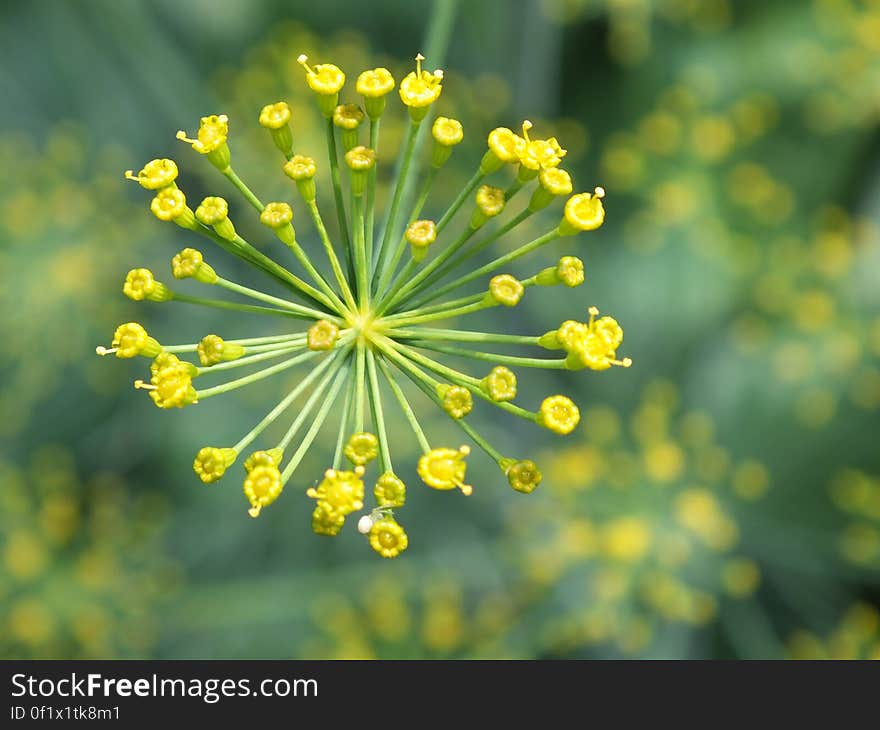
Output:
(309, 406)
(344, 420)
(306, 263)
(359, 396)
(245, 361)
(250, 308)
(467, 255)
(245, 251)
(277, 301)
(360, 251)
(513, 360)
(474, 435)
(390, 223)
(331, 255)
(404, 319)
(401, 245)
(268, 341)
(405, 407)
(337, 192)
(460, 336)
(496, 263)
(315, 427)
(466, 381)
(469, 187)
(402, 278)
(378, 413)
(230, 175)
(371, 192)
(286, 401)
(255, 377)
(405, 283)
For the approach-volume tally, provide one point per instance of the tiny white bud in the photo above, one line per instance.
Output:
(365, 524)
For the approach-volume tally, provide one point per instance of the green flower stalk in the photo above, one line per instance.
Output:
(368, 307)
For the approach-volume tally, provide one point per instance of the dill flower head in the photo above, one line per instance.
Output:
(359, 321)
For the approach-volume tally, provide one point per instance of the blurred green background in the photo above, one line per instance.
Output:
(721, 498)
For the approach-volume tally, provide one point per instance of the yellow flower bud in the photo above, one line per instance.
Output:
(505, 289)
(341, 491)
(490, 202)
(325, 521)
(302, 170)
(212, 210)
(189, 264)
(362, 448)
(278, 217)
(569, 271)
(360, 161)
(300, 167)
(419, 89)
(500, 384)
(388, 538)
(455, 400)
(593, 345)
(445, 469)
(374, 85)
(322, 335)
(326, 80)
(140, 284)
(446, 133)
(553, 183)
(131, 340)
(213, 349)
(583, 212)
(170, 205)
(559, 414)
(262, 485)
(505, 147)
(275, 116)
(211, 463)
(211, 140)
(348, 118)
(155, 175)
(524, 476)
(420, 235)
(390, 491)
(270, 457)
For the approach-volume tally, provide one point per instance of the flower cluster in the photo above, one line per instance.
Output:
(367, 307)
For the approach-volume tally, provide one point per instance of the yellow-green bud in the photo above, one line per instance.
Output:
(322, 335)
(276, 118)
(455, 400)
(500, 384)
(214, 212)
(212, 349)
(140, 284)
(155, 175)
(348, 117)
(211, 463)
(524, 476)
(374, 85)
(362, 448)
(390, 491)
(302, 171)
(278, 217)
(190, 264)
(569, 271)
(583, 212)
(446, 133)
(554, 182)
(420, 235)
(490, 202)
(170, 205)
(360, 161)
(504, 289)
